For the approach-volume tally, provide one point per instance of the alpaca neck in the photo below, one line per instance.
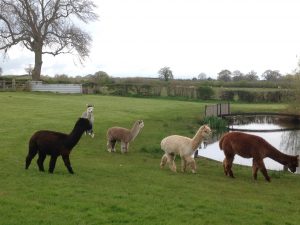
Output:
(134, 131)
(74, 136)
(278, 156)
(197, 139)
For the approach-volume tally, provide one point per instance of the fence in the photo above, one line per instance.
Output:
(217, 110)
(13, 85)
(57, 88)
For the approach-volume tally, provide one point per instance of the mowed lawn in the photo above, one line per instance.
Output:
(128, 188)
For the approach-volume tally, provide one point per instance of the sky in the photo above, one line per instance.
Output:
(136, 38)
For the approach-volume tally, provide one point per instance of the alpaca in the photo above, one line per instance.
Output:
(185, 147)
(45, 142)
(252, 146)
(89, 114)
(123, 135)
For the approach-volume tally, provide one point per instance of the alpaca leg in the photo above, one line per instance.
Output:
(254, 169)
(67, 162)
(40, 161)
(52, 163)
(262, 168)
(108, 144)
(163, 161)
(171, 162)
(227, 164)
(28, 161)
(124, 146)
(111, 145)
(192, 164)
(31, 153)
(29, 157)
(224, 167)
(92, 133)
(127, 147)
(183, 164)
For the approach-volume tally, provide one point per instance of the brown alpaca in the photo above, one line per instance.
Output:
(252, 146)
(122, 135)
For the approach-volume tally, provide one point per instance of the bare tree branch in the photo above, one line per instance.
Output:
(46, 27)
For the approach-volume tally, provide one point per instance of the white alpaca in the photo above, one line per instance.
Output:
(122, 135)
(89, 114)
(185, 147)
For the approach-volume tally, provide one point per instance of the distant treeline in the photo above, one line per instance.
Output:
(250, 91)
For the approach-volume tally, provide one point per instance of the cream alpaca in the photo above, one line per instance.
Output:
(123, 135)
(185, 147)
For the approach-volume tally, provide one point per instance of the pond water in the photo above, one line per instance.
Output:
(280, 131)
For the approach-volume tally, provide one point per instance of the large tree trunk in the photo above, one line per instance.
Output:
(36, 73)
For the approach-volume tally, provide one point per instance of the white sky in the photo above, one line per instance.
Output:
(138, 37)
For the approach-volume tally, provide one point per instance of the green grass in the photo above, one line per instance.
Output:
(131, 188)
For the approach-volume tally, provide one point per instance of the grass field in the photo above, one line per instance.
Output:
(128, 188)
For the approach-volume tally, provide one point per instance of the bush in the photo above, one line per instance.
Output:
(214, 122)
(205, 92)
(246, 96)
(227, 95)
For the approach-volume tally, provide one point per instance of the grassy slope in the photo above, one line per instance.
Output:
(128, 189)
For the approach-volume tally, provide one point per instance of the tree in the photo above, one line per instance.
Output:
(29, 70)
(271, 75)
(237, 75)
(202, 76)
(224, 75)
(251, 76)
(1, 71)
(101, 77)
(165, 74)
(46, 27)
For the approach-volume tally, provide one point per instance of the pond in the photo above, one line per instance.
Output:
(283, 132)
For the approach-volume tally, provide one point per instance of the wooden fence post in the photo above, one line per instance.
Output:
(13, 84)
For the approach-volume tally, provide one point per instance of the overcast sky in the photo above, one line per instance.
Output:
(138, 37)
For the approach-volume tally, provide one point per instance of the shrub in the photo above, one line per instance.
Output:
(205, 92)
(214, 122)
(246, 96)
(227, 95)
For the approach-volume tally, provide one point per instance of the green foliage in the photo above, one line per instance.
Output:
(205, 92)
(215, 122)
(245, 96)
(227, 95)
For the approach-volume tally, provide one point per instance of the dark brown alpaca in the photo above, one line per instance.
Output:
(45, 142)
(252, 146)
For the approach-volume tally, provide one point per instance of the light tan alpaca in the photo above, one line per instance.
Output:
(122, 135)
(185, 147)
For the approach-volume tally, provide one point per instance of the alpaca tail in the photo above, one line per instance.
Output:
(221, 142)
(162, 144)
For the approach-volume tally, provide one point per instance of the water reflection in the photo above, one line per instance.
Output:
(283, 133)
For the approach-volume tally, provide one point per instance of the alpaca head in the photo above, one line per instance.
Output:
(293, 164)
(84, 124)
(140, 123)
(206, 131)
(90, 108)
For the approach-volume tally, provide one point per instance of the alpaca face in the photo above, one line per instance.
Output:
(90, 109)
(141, 124)
(206, 131)
(294, 164)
